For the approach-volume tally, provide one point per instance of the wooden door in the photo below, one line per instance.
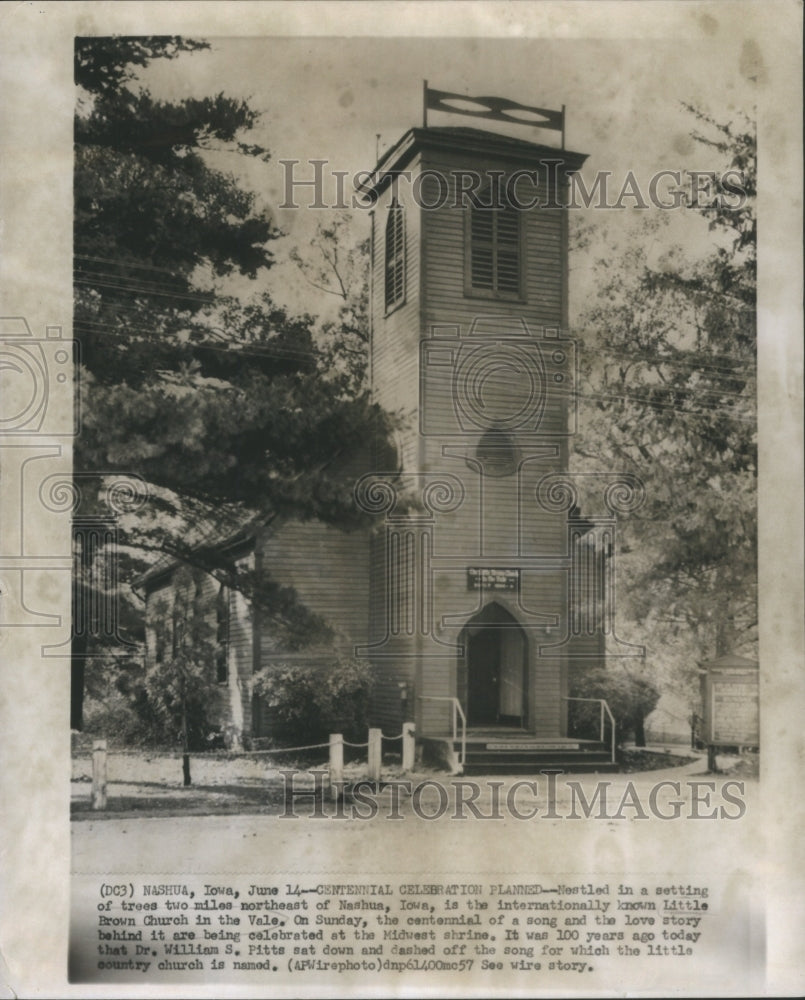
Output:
(483, 677)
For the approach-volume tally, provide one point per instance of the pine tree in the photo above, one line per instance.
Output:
(223, 406)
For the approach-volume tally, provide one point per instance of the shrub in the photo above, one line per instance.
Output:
(630, 698)
(115, 717)
(307, 701)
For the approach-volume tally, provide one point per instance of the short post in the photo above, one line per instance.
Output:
(375, 753)
(336, 764)
(408, 746)
(99, 774)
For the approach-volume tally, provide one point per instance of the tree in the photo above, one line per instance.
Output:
(671, 366)
(181, 683)
(338, 266)
(221, 405)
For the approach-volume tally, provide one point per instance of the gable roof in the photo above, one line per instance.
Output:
(212, 538)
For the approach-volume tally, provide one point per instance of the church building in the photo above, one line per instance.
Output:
(481, 586)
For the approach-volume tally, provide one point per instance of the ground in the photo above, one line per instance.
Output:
(175, 835)
(150, 784)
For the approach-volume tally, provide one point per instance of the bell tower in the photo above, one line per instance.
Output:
(469, 296)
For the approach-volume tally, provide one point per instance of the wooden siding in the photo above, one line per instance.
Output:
(328, 569)
(415, 352)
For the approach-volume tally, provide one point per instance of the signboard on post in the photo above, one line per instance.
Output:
(730, 698)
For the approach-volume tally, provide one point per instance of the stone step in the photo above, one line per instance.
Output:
(500, 768)
(491, 756)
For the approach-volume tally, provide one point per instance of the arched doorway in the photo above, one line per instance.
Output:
(492, 673)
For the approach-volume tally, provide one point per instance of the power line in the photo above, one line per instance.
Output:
(98, 277)
(718, 370)
(709, 411)
(692, 390)
(144, 290)
(234, 351)
(300, 353)
(125, 263)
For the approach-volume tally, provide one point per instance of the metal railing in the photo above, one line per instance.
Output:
(605, 711)
(458, 712)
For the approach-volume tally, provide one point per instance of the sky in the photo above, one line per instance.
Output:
(342, 99)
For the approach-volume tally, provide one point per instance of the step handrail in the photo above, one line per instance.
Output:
(458, 711)
(604, 710)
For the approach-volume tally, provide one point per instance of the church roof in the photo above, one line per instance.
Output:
(205, 537)
(474, 141)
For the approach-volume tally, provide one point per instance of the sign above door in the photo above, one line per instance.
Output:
(490, 578)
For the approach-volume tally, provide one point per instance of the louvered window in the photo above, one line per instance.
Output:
(395, 256)
(494, 251)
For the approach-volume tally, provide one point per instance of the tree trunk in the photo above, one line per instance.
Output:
(78, 653)
(639, 732)
(79, 630)
(185, 747)
(725, 623)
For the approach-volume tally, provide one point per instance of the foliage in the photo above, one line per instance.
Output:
(226, 406)
(104, 65)
(117, 706)
(121, 716)
(181, 687)
(669, 394)
(313, 701)
(335, 264)
(221, 404)
(630, 697)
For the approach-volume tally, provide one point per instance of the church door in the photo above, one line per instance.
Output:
(483, 677)
(496, 669)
